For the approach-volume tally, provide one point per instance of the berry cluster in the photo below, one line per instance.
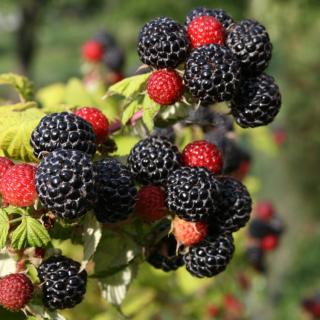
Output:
(193, 198)
(221, 60)
(265, 230)
(206, 207)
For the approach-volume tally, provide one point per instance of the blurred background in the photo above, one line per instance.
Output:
(43, 39)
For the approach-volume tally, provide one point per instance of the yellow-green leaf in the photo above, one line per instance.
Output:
(15, 133)
(131, 109)
(129, 87)
(76, 94)
(150, 110)
(18, 106)
(52, 97)
(30, 233)
(125, 144)
(21, 84)
(4, 227)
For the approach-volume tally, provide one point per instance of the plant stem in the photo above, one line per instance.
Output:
(16, 220)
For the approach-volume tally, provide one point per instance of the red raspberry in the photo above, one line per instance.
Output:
(244, 281)
(97, 119)
(264, 210)
(316, 310)
(231, 303)
(92, 51)
(165, 86)
(212, 310)
(150, 205)
(205, 30)
(269, 243)
(18, 186)
(5, 164)
(15, 291)
(39, 252)
(202, 154)
(242, 171)
(279, 136)
(188, 233)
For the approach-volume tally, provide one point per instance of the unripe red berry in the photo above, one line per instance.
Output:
(150, 205)
(205, 30)
(98, 121)
(203, 154)
(92, 51)
(15, 291)
(188, 233)
(165, 86)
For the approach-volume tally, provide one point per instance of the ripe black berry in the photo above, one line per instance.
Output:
(256, 258)
(257, 102)
(65, 182)
(193, 193)
(106, 39)
(212, 74)
(153, 159)
(209, 257)
(167, 133)
(163, 43)
(260, 229)
(235, 205)
(62, 131)
(116, 191)
(164, 256)
(250, 42)
(114, 59)
(63, 286)
(219, 14)
(209, 120)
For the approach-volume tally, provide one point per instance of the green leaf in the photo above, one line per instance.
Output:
(91, 237)
(32, 318)
(129, 87)
(21, 106)
(169, 115)
(114, 270)
(131, 109)
(150, 109)
(117, 257)
(4, 228)
(21, 84)
(30, 233)
(41, 313)
(32, 272)
(15, 133)
(77, 94)
(124, 144)
(51, 97)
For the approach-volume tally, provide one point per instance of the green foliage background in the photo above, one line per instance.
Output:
(288, 177)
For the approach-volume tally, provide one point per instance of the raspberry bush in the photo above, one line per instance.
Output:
(119, 179)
